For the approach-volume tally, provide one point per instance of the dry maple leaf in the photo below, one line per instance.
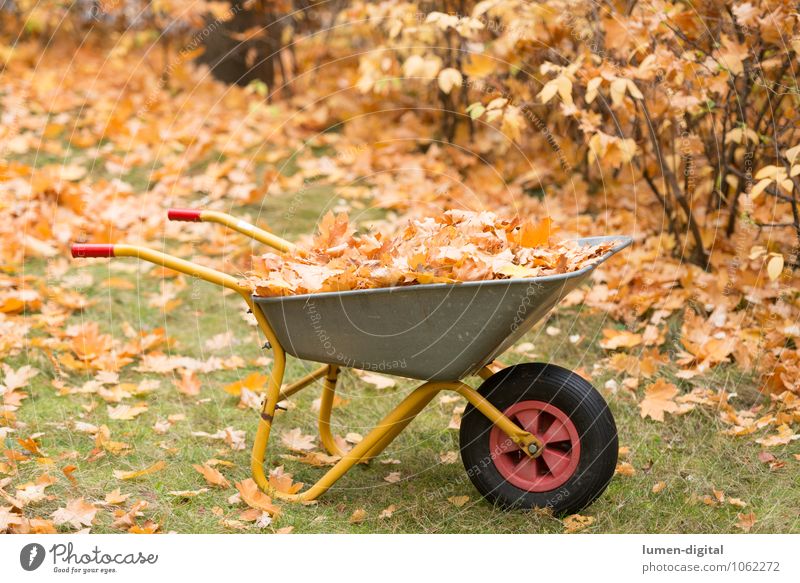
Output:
(392, 477)
(388, 511)
(625, 469)
(458, 501)
(189, 384)
(187, 493)
(116, 497)
(448, 457)
(378, 381)
(658, 399)
(782, 437)
(614, 339)
(577, 522)
(255, 382)
(282, 481)
(295, 440)
(126, 519)
(746, 521)
(255, 498)
(9, 518)
(78, 513)
(148, 527)
(156, 467)
(126, 412)
(212, 476)
(358, 515)
(17, 379)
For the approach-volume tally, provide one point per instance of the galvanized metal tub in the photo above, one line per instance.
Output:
(426, 332)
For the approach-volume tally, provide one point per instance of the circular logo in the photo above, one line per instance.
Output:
(31, 556)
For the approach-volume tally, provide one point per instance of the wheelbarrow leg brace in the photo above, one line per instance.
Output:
(383, 434)
(325, 407)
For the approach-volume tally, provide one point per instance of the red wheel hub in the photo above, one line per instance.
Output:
(559, 458)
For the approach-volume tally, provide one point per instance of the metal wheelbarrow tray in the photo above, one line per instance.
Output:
(532, 435)
(427, 332)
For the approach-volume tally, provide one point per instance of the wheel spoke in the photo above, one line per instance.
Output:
(556, 432)
(527, 469)
(556, 461)
(506, 445)
(529, 420)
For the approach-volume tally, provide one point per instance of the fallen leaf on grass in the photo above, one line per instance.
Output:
(212, 475)
(149, 527)
(614, 339)
(255, 382)
(782, 437)
(746, 521)
(458, 501)
(235, 438)
(8, 518)
(378, 381)
(388, 511)
(126, 412)
(577, 522)
(658, 486)
(255, 498)
(187, 493)
(295, 440)
(625, 469)
(158, 466)
(282, 481)
(392, 477)
(357, 516)
(658, 399)
(78, 513)
(189, 384)
(116, 497)
(448, 457)
(125, 519)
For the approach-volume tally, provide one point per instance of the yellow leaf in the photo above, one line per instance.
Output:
(358, 516)
(577, 522)
(760, 187)
(746, 521)
(449, 78)
(255, 498)
(212, 475)
(158, 466)
(255, 382)
(775, 266)
(659, 400)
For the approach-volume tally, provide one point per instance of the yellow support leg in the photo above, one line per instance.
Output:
(325, 408)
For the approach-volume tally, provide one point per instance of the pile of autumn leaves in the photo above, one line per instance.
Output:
(456, 246)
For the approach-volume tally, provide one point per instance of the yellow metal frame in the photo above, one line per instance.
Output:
(383, 433)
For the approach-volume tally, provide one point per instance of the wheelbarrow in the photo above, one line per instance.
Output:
(532, 435)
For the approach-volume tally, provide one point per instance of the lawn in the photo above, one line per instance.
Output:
(688, 453)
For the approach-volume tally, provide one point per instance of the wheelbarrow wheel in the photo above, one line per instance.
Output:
(571, 419)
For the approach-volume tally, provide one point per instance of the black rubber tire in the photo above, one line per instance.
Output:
(585, 407)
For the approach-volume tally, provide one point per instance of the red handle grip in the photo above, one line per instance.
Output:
(192, 215)
(90, 250)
